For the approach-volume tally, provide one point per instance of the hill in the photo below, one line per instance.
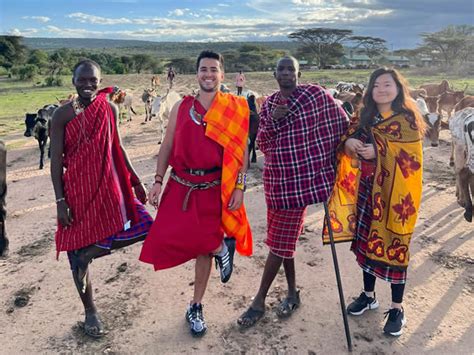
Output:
(160, 49)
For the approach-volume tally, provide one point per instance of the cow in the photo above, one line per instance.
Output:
(462, 131)
(39, 126)
(3, 196)
(436, 89)
(148, 97)
(416, 93)
(467, 101)
(161, 108)
(355, 99)
(124, 100)
(155, 81)
(448, 100)
(350, 87)
(432, 119)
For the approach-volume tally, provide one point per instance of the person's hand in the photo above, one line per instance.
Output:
(64, 214)
(352, 146)
(154, 195)
(236, 200)
(279, 112)
(367, 151)
(140, 192)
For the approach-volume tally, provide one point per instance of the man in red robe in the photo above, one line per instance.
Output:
(93, 179)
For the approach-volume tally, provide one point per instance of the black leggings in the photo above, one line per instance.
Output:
(397, 289)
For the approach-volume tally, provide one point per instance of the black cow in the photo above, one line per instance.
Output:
(3, 196)
(253, 128)
(39, 125)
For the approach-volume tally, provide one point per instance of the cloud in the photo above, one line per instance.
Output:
(97, 20)
(24, 32)
(177, 12)
(42, 19)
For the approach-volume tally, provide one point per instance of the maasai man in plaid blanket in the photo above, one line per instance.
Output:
(206, 146)
(300, 128)
(93, 179)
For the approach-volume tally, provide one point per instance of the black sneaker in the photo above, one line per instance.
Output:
(225, 263)
(395, 322)
(361, 304)
(195, 318)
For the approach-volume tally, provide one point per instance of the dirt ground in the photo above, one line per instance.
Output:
(143, 310)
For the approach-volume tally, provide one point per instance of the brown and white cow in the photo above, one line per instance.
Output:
(124, 100)
(432, 119)
(448, 100)
(155, 81)
(462, 131)
(416, 93)
(467, 101)
(3, 196)
(436, 89)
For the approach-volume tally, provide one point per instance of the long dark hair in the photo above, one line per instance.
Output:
(403, 103)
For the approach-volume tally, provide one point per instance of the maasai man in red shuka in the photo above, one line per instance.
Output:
(206, 145)
(93, 179)
(300, 128)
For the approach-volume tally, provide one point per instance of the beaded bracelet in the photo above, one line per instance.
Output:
(242, 178)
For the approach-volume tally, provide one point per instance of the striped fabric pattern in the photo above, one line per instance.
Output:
(300, 149)
(90, 188)
(284, 229)
(137, 230)
(228, 124)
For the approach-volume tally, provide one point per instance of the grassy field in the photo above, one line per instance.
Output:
(18, 98)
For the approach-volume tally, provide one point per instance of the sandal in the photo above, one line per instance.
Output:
(288, 306)
(250, 317)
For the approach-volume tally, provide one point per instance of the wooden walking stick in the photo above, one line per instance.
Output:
(338, 277)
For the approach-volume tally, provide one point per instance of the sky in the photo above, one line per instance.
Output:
(399, 22)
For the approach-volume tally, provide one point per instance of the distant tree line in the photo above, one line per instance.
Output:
(25, 64)
(451, 46)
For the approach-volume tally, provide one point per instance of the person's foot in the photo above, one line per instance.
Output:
(225, 262)
(93, 327)
(395, 322)
(250, 317)
(195, 318)
(288, 306)
(362, 304)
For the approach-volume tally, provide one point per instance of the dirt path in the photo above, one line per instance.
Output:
(144, 311)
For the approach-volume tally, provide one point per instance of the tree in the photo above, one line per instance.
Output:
(371, 46)
(39, 58)
(184, 65)
(450, 44)
(12, 51)
(324, 43)
(142, 62)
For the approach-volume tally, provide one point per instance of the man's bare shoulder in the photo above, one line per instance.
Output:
(63, 114)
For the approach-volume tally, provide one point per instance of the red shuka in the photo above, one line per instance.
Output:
(91, 188)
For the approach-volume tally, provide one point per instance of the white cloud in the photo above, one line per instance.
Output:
(97, 20)
(223, 5)
(24, 32)
(176, 12)
(42, 19)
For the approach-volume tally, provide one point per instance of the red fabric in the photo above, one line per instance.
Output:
(284, 229)
(176, 235)
(92, 191)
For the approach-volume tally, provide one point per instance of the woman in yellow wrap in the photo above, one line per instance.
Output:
(377, 193)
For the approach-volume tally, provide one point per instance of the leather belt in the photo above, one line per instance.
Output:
(202, 172)
(192, 186)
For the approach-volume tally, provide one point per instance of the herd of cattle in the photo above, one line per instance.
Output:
(433, 100)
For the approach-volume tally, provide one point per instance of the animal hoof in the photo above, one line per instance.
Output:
(468, 214)
(451, 163)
